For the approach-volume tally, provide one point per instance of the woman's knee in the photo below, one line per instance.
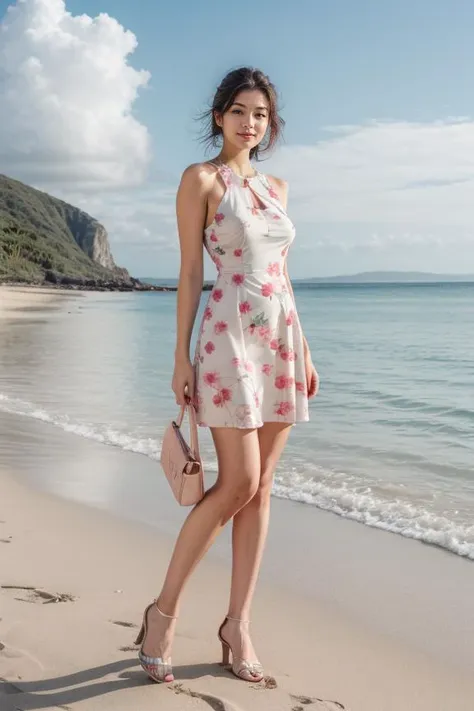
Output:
(239, 490)
(264, 489)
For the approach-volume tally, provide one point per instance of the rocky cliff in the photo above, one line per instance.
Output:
(91, 237)
(43, 238)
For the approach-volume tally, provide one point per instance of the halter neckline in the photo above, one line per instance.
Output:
(225, 167)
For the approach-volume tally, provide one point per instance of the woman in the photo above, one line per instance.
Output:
(252, 372)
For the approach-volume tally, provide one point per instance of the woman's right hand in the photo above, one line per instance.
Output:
(183, 381)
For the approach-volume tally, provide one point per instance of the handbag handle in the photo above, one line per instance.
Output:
(194, 443)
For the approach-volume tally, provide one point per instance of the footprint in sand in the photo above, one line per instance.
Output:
(36, 593)
(216, 703)
(304, 702)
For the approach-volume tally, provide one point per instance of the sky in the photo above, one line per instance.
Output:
(99, 100)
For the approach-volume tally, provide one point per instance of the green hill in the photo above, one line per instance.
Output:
(43, 239)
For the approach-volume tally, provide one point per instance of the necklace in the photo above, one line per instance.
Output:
(245, 178)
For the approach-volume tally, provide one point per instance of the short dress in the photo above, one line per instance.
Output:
(249, 356)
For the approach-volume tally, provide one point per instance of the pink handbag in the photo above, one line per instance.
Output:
(181, 462)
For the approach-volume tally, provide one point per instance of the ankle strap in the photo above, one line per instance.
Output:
(170, 617)
(236, 619)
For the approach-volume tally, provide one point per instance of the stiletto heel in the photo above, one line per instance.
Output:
(241, 668)
(225, 653)
(157, 668)
(141, 635)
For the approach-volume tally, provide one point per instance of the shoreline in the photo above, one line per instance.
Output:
(318, 635)
(74, 286)
(18, 302)
(77, 286)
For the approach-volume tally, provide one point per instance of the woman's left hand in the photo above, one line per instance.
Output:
(312, 377)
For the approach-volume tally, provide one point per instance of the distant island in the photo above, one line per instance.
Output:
(389, 278)
(46, 241)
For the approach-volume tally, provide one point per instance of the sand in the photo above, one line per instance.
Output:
(345, 617)
(20, 301)
(81, 578)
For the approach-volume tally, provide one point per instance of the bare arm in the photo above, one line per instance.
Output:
(191, 206)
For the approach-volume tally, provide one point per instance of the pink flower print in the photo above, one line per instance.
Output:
(217, 294)
(300, 386)
(226, 394)
(255, 211)
(209, 347)
(252, 328)
(237, 252)
(284, 408)
(283, 381)
(276, 217)
(273, 269)
(218, 218)
(208, 313)
(244, 307)
(273, 193)
(236, 362)
(248, 366)
(274, 345)
(267, 369)
(217, 400)
(284, 251)
(265, 333)
(267, 289)
(211, 377)
(220, 327)
(288, 355)
(238, 279)
(290, 318)
(213, 237)
(257, 401)
(217, 261)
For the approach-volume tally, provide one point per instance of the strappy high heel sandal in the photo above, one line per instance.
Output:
(157, 668)
(241, 668)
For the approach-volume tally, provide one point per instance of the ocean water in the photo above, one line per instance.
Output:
(390, 442)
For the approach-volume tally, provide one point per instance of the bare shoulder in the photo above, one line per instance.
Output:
(281, 187)
(199, 176)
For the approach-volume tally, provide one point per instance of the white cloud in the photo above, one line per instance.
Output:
(67, 96)
(395, 173)
(383, 195)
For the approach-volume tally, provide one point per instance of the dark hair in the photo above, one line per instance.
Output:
(243, 79)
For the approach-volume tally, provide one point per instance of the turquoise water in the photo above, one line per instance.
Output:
(390, 442)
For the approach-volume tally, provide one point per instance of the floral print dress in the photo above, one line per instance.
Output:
(249, 358)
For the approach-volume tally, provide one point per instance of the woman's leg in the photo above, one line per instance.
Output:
(238, 459)
(248, 539)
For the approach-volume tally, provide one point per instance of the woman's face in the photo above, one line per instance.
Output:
(245, 123)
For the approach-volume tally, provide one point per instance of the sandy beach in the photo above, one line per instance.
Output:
(20, 301)
(345, 617)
